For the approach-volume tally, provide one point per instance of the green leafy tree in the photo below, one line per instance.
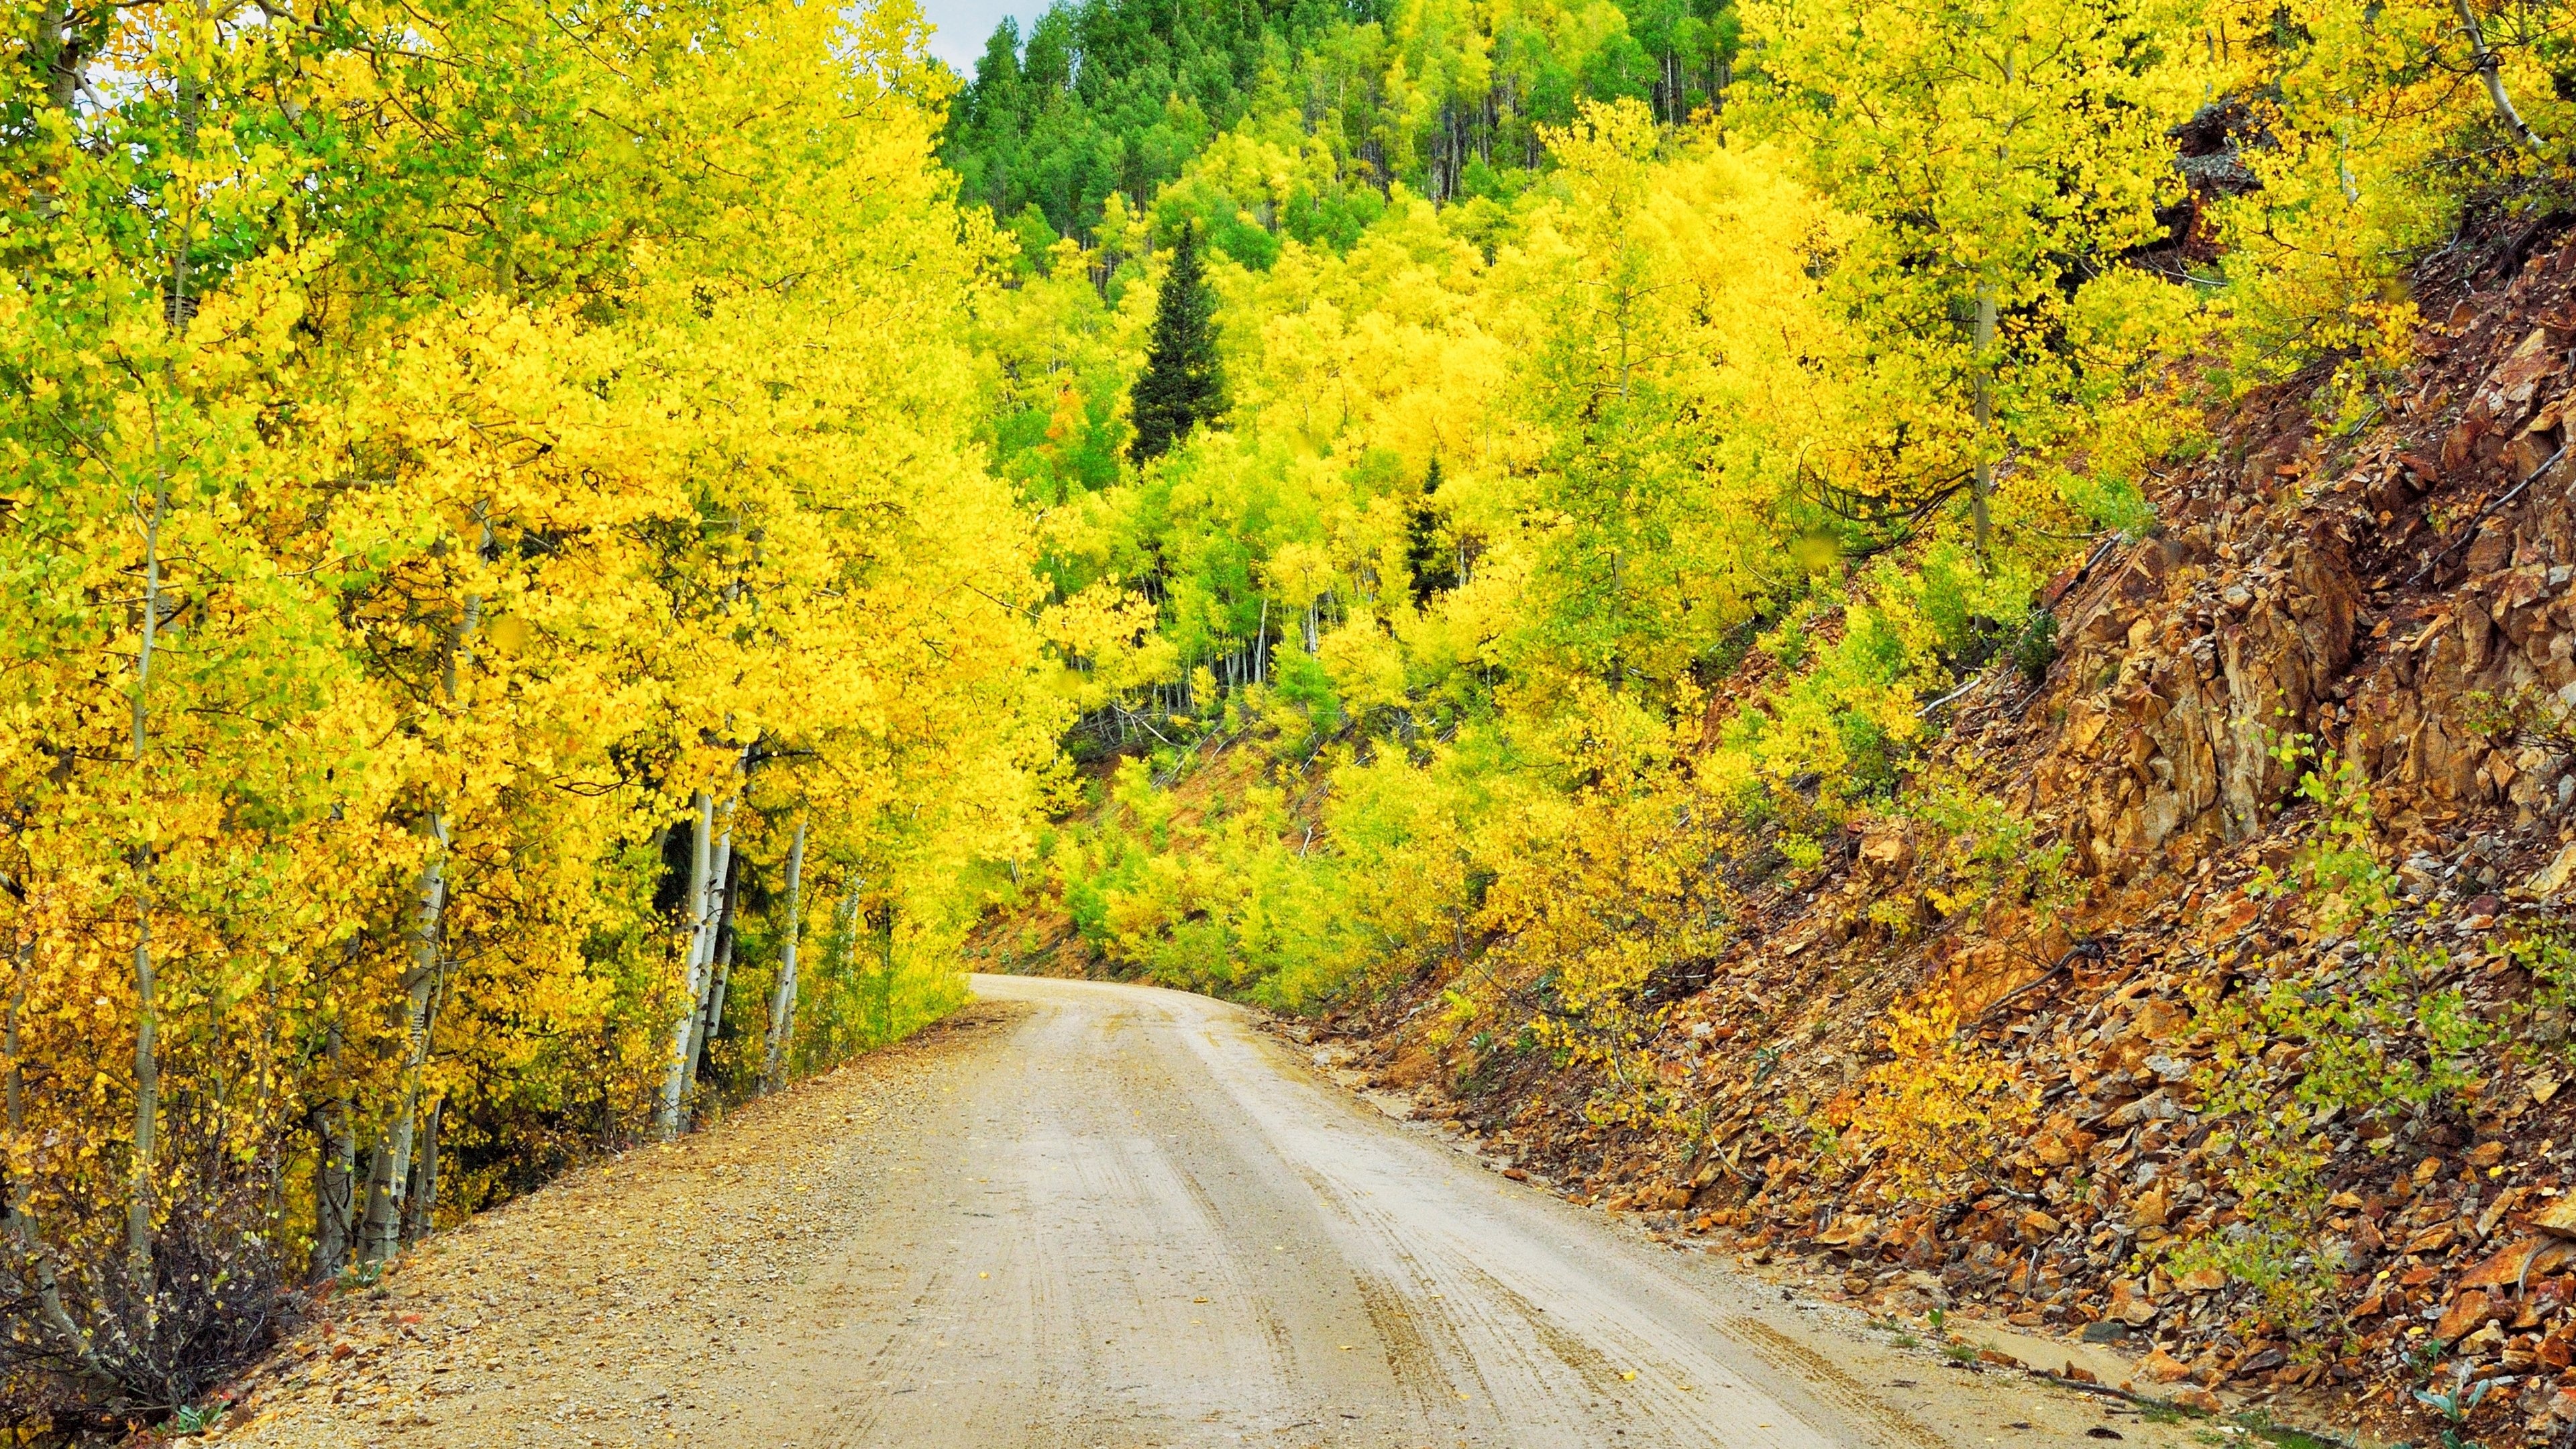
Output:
(1181, 386)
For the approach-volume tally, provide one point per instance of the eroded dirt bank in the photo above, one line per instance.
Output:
(2388, 608)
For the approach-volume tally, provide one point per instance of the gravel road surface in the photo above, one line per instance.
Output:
(1085, 1214)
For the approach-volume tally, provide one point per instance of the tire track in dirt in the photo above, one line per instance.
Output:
(1898, 1429)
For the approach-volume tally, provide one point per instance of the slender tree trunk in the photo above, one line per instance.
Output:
(724, 983)
(720, 887)
(2490, 75)
(378, 1176)
(389, 1178)
(147, 1104)
(885, 980)
(1982, 489)
(844, 951)
(675, 1080)
(782, 1002)
(147, 1021)
(381, 1235)
(420, 1198)
(712, 1020)
(334, 1170)
(459, 644)
(59, 53)
(63, 62)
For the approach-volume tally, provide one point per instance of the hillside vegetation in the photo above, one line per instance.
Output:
(1835, 649)
(494, 552)
(1935, 630)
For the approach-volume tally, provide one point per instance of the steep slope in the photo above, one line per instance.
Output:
(2296, 1138)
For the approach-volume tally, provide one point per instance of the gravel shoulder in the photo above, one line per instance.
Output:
(1099, 1215)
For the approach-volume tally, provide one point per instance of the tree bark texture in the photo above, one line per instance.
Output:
(782, 1002)
(381, 1235)
(675, 1080)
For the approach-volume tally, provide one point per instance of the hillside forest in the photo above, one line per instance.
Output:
(564, 567)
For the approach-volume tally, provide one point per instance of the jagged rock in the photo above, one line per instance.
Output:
(2514, 1265)
(2465, 1312)
(2160, 1020)
(2162, 1367)
(1889, 850)
(2130, 1306)
(2167, 1069)
(2553, 877)
(2558, 1219)
(2154, 1107)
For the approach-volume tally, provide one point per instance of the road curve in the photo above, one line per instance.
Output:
(1191, 1240)
(1093, 1216)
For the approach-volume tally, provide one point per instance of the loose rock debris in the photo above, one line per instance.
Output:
(2402, 597)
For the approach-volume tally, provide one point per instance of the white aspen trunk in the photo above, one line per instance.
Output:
(2343, 164)
(2490, 75)
(389, 1179)
(147, 1023)
(724, 983)
(719, 915)
(380, 1236)
(844, 949)
(675, 1080)
(782, 1002)
(1260, 640)
(147, 1103)
(716, 988)
(1982, 490)
(420, 1196)
(62, 70)
(468, 620)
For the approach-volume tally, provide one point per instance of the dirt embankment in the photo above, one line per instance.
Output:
(2402, 594)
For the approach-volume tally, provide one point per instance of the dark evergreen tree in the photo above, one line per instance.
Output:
(1435, 570)
(1180, 388)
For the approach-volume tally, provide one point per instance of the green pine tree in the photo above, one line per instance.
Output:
(1180, 388)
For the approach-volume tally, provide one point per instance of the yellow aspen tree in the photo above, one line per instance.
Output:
(2007, 153)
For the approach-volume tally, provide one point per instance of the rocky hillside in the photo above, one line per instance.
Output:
(2299, 1131)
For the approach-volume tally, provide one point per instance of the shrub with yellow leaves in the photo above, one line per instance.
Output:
(1942, 1111)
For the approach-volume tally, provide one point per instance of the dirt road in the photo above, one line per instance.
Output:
(1095, 1215)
